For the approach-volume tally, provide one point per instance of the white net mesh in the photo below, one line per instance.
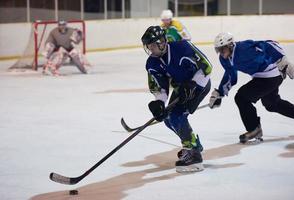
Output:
(31, 57)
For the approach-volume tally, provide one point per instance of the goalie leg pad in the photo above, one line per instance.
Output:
(49, 48)
(50, 69)
(55, 61)
(77, 59)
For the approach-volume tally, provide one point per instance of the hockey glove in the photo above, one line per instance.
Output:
(285, 68)
(215, 99)
(157, 108)
(187, 91)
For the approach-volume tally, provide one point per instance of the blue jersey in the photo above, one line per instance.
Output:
(179, 64)
(256, 58)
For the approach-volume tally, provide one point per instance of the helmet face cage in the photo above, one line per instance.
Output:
(62, 26)
(154, 36)
(158, 48)
(221, 48)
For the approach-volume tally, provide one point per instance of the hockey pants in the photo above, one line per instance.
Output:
(266, 89)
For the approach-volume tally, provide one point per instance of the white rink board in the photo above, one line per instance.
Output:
(67, 124)
(119, 33)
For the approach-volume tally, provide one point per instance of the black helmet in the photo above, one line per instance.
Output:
(153, 34)
(156, 35)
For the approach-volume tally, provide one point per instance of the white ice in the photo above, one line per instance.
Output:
(66, 124)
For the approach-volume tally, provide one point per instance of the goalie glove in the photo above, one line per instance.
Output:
(77, 36)
(215, 99)
(285, 68)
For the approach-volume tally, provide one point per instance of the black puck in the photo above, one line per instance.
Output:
(73, 192)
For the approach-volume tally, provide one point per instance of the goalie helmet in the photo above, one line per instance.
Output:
(154, 36)
(166, 14)
(62, 23)
(62, 26)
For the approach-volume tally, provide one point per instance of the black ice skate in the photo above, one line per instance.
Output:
(255, 134)
(190, 160)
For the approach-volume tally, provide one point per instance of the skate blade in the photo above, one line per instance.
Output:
(254, 141)
(190, 169)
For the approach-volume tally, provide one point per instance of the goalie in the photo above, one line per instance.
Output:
(61, 45)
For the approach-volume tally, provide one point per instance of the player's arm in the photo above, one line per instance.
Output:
(229, 79)
(159, 86)
(182, 30)
(201, 60)
(185, 34)
(274, 51)
(198, 64)
(50, 46)
(197, 69)
(76, 37)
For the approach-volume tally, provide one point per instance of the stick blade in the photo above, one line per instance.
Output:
(62, 179)
(126, 127)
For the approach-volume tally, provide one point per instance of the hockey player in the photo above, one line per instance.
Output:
(267, 63)
(61, 44)
(174, 29)
(185, 68)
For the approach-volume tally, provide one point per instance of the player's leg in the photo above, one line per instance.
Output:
(273, 103)
(190, 158)
(247, 95)
(77, 58)
(47, 53)
(178, 122)
(49, 49)
(54, 62)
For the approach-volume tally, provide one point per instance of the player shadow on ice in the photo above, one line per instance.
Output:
(136, 90)
(116, 187)
(290, 151)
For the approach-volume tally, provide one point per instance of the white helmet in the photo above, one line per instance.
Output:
(223, 39)
(166, 14)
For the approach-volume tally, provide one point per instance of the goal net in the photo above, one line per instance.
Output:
(31, 57)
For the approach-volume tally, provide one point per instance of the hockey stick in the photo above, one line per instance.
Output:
(74, 180)
(129, 129)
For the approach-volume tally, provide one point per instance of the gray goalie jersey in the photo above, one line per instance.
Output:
(67, 40)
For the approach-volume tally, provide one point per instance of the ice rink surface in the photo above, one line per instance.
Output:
(66, 124)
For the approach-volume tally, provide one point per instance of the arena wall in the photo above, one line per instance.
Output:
(126, 33)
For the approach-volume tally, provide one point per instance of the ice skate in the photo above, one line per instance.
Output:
(256, 134)
(190, 160)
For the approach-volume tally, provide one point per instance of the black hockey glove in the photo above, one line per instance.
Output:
(187, 91)
(158, 110)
